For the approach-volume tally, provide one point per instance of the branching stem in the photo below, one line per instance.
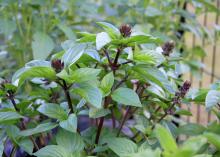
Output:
(23, 127)
(67, 94)
(101, 121)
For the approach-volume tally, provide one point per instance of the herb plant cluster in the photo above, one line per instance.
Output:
(114, 93)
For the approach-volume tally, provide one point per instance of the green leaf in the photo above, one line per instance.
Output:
(26, 145)
(107, 83)
(198, 96)
(155, 75)
(165, 138)
(39, 129)
(7, 27)
(86, 37)
(190, 147)
(192, 28)
(209, 5)
(9, 116)
(42, 45)
(121, 146)
(91, 94)
(146, 58)
(140, 39)
(13, 133)
(1, 148)
(91, 54)
(102, 39)
(185, 13)
(84, 74)
(28, 66)
(212, 99)
(33, 72)
(112, 31)
(157, 55)
(147, 153)
(152, 11)
(38, 63)
(126, 96)
(70, 124)
(97, 113)
(191, 129)
(53, 111)
(203, 155)
(156, 91)
(183, 112)
(52, 151)
(72, 142)
(198, 51)
(73, 53)
(79, 75)
(193, 145)
(213, 139)
(67, 31)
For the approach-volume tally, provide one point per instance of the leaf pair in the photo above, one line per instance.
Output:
(57, 112)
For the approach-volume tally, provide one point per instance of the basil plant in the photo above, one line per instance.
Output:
(117, 93)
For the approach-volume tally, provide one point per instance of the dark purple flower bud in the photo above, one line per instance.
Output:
(185, 88)
(168, 47)
(57, 65)
(125, 30)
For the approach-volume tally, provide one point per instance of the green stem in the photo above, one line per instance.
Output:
(17, 20)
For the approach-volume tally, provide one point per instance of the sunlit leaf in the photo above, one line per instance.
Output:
(126, 96)
(165, 138)
(102, 39)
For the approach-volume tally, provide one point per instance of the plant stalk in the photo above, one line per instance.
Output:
(67, 94)
(164, 115)
(101, 122)
(113, 119)
(125, 117)
(117, 56)
(13, 152)
(11, 97)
